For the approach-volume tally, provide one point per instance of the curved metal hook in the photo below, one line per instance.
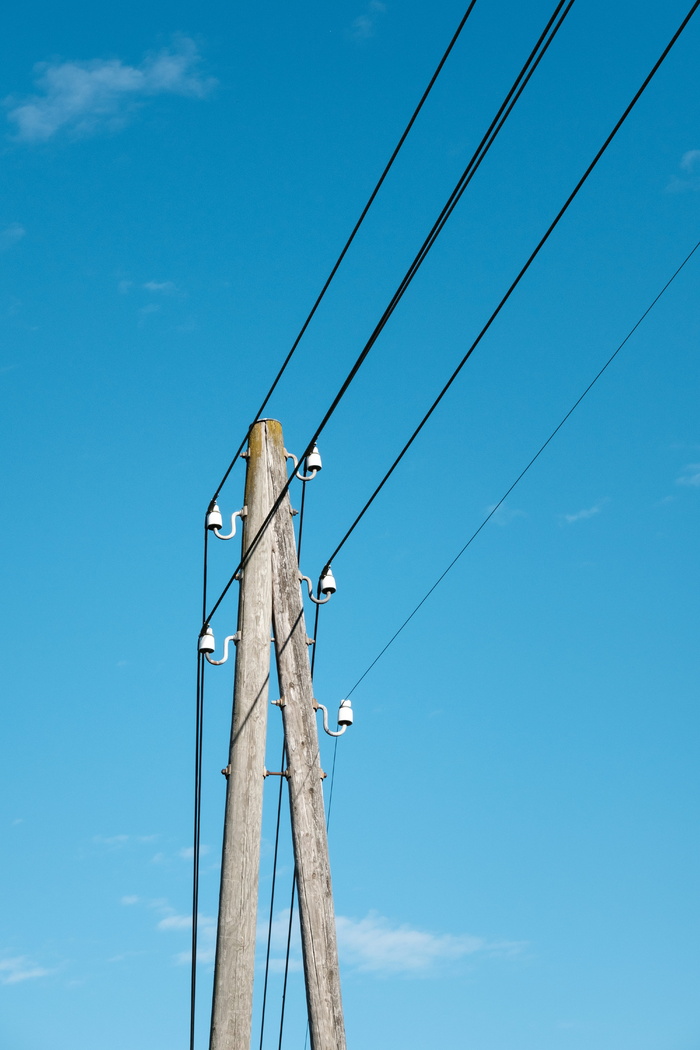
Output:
(236, 514)
(318, 601)
(217, 663)
(302, 477)
(325, 721)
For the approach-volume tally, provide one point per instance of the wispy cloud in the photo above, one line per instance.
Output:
(187, 852)
(82, 97)
(206, 935)
(585, 514)
(115, 842)
(505, 515)
(689, 177)
(374, 945)
(365, 25)
(11, 235)
(690, 475)
(164, 287)
(20, 968)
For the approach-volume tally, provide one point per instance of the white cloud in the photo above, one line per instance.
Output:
(373, 944)
(689, 164)
(365, 25)
(583, 515)
(690, 476)
(187, 852)
(130, 899)
(165, 287)
(690, 161)
(111, 841)
(19, 968)
(82, 97)
(206, 935)
(504, 515)
(11, 235)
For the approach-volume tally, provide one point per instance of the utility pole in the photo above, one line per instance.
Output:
(270, 596)
(232, 1010)
(304, 776)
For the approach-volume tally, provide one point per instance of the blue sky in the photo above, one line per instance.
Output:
(513, 841)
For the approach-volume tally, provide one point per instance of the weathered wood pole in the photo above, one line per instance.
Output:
(318, 935)
(232, 1010)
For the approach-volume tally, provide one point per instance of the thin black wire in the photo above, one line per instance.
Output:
(523, 472)
(196, 838)
(272, 900)
(349, 241)
(286, 961)
(517, 280)
(487, 141)
(199, 720)
(294, 878)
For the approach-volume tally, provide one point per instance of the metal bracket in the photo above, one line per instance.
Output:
(231, 637)
(242, 513)
(317, 601)
(226, 771)
(245, 455)
(279, 703)
(331, 732)
(310, 641)
(302, 477)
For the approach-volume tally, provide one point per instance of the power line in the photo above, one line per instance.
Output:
(516, 282)
(546, 37)
(199, 726)
(523, 472)
(351, 238)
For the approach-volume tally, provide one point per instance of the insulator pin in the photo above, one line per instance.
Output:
(214, 519)
(313, 461)
(346, 713)
(327, 584)
(207, 642)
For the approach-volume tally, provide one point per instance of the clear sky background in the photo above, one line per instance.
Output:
(514, 829)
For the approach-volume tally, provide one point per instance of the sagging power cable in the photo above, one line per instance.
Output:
(351, 238)
(555, 222)
(546, 37)
(524, 471)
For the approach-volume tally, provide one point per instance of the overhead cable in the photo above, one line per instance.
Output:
(543, 240)
(524, 471)
(546, 37)
(351, 238)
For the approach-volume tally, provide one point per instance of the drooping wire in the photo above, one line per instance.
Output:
(351, 238)
(524, 471)
(272, 900)
(196, 837)
(286, 960)
(555, 222)
(533, 60)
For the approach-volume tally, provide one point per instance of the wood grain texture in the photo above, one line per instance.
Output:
(316, 912)
(232, 1009)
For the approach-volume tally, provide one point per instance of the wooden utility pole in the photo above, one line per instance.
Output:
(317, 919)
(270, 596)
(232, 1011)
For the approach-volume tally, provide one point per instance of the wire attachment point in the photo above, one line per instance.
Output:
(345, 717)
(231, 638)
(215, 521)
(326, 586)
